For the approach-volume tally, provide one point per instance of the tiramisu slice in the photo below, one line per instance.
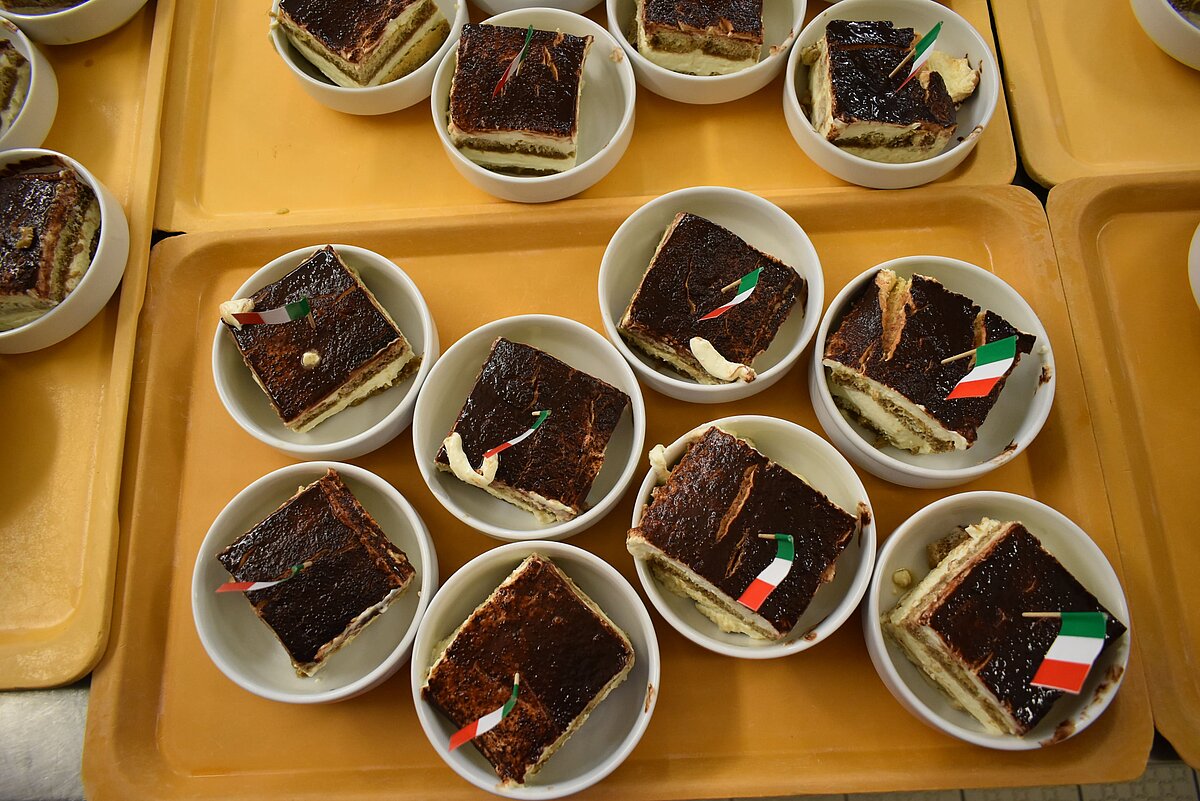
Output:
(700, 38)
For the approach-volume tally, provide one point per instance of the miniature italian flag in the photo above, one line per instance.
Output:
(745, 289)
(992, 361)
(773, 574)
(488, 721)
(514, 66)
(1074, 650)
(921, 53)
(284, 314)
(252, 586)
(541, 418)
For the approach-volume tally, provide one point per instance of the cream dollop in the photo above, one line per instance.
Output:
(310, 359)
(717, 365)
(236, 306)
(462, 467)
(658, 462)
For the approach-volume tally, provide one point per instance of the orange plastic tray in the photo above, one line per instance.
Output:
(64, 407)
(1123, 245)
(164, 723)
(1091, 94)
(251, 149)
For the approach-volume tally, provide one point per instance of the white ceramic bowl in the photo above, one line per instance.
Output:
(1194, 265)
(761, 223)
(36, 116)
(98, 283)
(807, 455)
(905, 548)
(246, 650)
(613, 729)
(781, 20)
(957, 38)
(1014, 421)
(450, 383)
(605, 113)
(493, 7)
(384, 99)
(355, 430)
(1168, 29)
(88, 20)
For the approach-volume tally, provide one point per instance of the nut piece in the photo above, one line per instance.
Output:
(310, 359)
(903, 578)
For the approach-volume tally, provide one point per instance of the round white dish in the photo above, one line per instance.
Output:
(1194, 265)
(781, 20)
(762, 224)
(34, 120)
(617, 724)
(88, 20)
(1168, 29)
(905, 548)
(957, 37)
(244, 648)
(807, 455)
(1011, 426)
(99, 282)
(493, 7)
(368, 100)
(357, 429)
(605, 113)
(450, 383)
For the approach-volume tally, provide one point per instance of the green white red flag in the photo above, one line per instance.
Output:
(992, 361)
(1079, 642)
(514, 66)
(541, 418)
(284, 314)
(252, 586)
(921, 54)
(488, 721)
(773, 574)
(745, 289)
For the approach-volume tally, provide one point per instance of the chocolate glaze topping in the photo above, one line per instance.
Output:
(935, 324)
(741, 18)
(350, 28)
(537, 626)
(861, 54)
(351, 332)
(684, 282)
(354, 566)
(720, 497)
(542, 98)
(562, 458)
(35, 208)
(980, 619)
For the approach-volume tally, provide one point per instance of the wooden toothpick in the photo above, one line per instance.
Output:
(1042, 614)
(962, 355)
(728, 287)
(903, 61)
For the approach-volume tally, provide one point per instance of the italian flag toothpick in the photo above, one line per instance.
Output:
(1073, 652)
(919, 55)
(488, 721)
(284, 314)
(251, 586)
(773, 574)
(514, 66)
(541, 418)
(992, 361)
(745, 288)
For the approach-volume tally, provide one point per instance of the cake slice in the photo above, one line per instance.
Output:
(963, 625)
(14, 84)
(695, 270)
(358, 43)
(550, 470)
(312, 369)
(529, 123)
(51, 225)
(701, 532)
(700, 38)
(884, 362)
(349, 571)
(569, 655)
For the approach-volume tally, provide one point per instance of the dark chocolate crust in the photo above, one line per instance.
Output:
(563, 457)
(351, 334)
(737, 18)
(350, 28)
(695, 261)
(36, 210)
(354, 566)
(720, 497)
(980, 619)
(930, 324)
(542, 99)
(861, 54)
(565, 653)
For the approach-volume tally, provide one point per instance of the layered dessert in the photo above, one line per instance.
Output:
(345, 350)
(539, 631)
(364, 42)
(533, 431)
(514, 100)
(885, 362)
(679, 314)
(700, 38)
(336, 571)
(862, 104)
(51, 228)
(703, 536)
(965, 625)
(14, 84)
